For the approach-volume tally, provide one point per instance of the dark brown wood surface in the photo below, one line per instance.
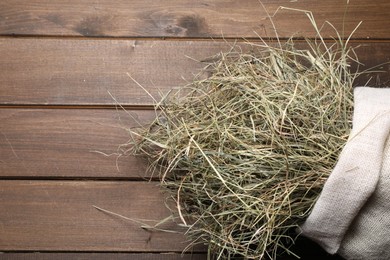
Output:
(60, 215)
(187, 18)
(88, 72)
(63, 78)
(64, 143)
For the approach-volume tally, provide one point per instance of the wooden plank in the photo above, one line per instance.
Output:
(101, 256)
(71, 72)
(186, 18)
(59, 216)
(58, 71)
(64, 143)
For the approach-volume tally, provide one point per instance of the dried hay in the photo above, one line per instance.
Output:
(246, 151)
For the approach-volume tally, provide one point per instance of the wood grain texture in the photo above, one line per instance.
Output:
(61, 143)
(58, 71)
(174, 18)
(101, 256)
(59, 216)
(74, 72)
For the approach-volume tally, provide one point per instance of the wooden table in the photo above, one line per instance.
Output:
(63, 78)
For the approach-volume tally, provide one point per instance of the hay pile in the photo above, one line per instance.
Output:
(245, 152)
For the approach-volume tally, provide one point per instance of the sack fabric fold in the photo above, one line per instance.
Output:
(352, 214)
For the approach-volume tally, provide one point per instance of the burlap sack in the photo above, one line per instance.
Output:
(368, 237)
(339, 222)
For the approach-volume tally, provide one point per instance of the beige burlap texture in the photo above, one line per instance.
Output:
(352, 214)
